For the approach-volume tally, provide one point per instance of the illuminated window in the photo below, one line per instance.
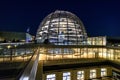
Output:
(51, 77)
(80, 75)
(103, 72)
(66, 76)
(93, 73)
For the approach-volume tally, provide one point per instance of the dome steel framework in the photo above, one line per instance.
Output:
(61, 28)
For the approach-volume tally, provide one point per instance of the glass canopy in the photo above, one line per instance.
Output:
(61, 28)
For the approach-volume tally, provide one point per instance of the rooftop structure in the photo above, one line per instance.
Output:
(15, 37)
(62, 28)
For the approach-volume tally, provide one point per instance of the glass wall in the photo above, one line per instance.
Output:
(79, 53)
(62, 28)
(101, 40)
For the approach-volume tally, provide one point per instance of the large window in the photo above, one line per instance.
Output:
(66, 76)
(51, 77)
(103, 72)
(92, 73)
(80, 75)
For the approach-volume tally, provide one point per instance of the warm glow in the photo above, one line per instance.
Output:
(8, 46)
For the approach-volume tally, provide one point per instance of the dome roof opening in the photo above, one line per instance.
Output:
(61, 28)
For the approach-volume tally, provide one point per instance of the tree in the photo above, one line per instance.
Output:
(13, 40)
(4, 41)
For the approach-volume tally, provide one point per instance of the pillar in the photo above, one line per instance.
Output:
(98, 72)
(73, 75)
(87, 74)
(59, 76)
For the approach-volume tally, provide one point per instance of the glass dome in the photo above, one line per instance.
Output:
(61, 28)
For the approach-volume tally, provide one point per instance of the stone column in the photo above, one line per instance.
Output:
(98, 72)
(73, 75)
(109, 71)
(59, 76)
(87, 74)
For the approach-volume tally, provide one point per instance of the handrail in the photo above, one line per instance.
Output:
(70, 61)
(29, 72)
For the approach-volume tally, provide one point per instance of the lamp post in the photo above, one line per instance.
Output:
(8, 46)
(10, 52)
(0, 50)
(15, 50)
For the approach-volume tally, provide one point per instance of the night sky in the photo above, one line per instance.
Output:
(100, 17)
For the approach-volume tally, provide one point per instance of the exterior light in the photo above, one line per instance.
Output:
(8, 46)
(15, 46)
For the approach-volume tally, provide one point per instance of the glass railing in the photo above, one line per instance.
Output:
(13, 59)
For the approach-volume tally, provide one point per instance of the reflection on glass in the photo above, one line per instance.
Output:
(80, 75)
(66, 76)
(51, 77)
(92, 73)
(62, 28)
(103, 72)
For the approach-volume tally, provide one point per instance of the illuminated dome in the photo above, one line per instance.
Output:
(61, 28)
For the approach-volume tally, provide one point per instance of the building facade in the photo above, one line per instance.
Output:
(66, 49)
(62, 51)
(15, 37)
